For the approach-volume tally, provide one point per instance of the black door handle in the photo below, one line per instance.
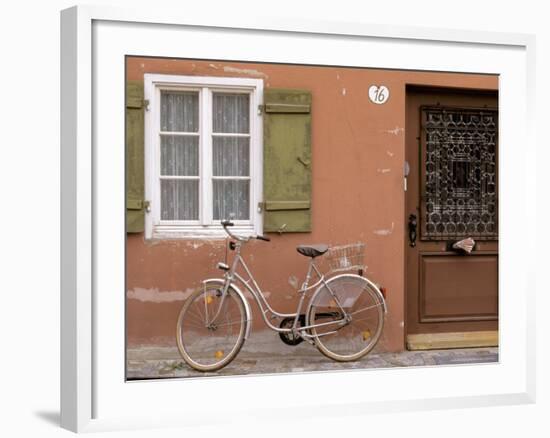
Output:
(412, 230)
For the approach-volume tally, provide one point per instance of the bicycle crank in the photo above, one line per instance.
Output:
(290, 338)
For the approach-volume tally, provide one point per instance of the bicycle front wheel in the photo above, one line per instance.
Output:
(211, 328)
(347, 315)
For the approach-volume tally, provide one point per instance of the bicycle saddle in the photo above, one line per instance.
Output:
(312, 250)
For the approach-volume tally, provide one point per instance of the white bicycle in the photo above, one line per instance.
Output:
(344, 317)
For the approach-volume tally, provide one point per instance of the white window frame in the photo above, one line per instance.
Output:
(205, 227)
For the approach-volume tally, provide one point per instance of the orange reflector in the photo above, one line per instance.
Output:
(366, 335)
(209, 299)
(219, 354)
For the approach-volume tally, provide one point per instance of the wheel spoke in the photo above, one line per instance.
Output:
(365, 318)
(208, 347)
(356, 338)
(226, 324)
(195, 325)
(206, 302)
(196, 319)
(366, 308)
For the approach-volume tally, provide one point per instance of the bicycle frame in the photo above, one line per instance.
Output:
(265, 308)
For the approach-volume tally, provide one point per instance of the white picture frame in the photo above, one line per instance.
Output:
(94, 41)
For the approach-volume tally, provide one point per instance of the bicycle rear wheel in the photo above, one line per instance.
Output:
(352, 312)
(211, 328)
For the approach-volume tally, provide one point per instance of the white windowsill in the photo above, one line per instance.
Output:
(162, 232)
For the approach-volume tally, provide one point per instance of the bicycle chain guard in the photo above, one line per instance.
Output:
(290, 338)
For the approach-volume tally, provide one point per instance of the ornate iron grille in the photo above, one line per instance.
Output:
(459, 174)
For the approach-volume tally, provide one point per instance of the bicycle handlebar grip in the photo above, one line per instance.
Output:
(227, 223)
(267, 239)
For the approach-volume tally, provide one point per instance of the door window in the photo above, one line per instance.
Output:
(459, 153)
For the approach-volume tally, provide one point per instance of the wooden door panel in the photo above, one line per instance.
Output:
(458, 288)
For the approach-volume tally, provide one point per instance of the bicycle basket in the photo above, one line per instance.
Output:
(349, 257)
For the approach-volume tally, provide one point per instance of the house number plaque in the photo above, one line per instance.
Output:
(379, 94)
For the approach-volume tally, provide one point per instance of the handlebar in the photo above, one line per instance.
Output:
(226, 223)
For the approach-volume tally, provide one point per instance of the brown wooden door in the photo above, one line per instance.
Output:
(451, 151)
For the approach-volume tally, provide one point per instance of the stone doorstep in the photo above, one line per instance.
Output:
(438, 341)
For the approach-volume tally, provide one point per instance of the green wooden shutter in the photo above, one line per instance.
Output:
(287, 160)
(135, 196)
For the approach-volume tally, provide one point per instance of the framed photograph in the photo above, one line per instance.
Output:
(252, 210)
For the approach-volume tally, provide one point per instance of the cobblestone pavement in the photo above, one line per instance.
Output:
(264, 353)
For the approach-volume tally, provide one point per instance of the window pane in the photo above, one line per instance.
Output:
(230, 156)
(179, 199)
(179, 111)
(231, 199)
(179, 155)
(231, 113)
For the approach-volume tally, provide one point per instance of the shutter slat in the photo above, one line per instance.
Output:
(135, 194)
(287, 205)
(287, 108)
(287, 154)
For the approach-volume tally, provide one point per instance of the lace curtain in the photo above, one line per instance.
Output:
(180, 155)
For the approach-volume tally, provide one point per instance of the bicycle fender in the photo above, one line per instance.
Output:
(221, 282)
(379, 293)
